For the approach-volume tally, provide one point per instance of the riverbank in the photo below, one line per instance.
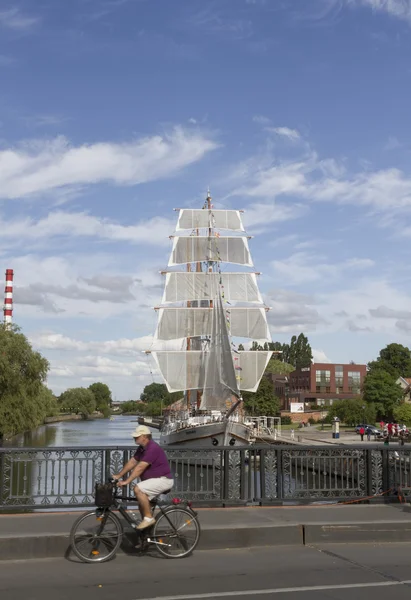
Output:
(63, 418)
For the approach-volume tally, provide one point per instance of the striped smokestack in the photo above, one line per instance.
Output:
(8, 298)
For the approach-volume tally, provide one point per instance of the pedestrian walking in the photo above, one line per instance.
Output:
(368, 434)
(362, 431)
(292, 434)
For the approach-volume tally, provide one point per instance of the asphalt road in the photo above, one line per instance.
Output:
(337, 572)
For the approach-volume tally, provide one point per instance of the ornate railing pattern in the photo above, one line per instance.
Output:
(65, 477)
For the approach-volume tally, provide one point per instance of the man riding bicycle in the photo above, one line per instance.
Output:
(150, 464)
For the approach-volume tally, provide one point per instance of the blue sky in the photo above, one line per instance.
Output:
(114, 112)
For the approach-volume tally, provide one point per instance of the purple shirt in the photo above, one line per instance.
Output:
(157, 459)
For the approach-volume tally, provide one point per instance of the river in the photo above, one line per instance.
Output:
(73, 434)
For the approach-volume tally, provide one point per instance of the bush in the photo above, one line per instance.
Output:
(312, 421)
(286, 420)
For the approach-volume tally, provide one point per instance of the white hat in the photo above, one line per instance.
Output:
(141, 430)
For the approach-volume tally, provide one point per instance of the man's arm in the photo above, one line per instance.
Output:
(136, 472)
(127, 467)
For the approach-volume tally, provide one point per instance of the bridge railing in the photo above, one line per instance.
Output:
(41, 478)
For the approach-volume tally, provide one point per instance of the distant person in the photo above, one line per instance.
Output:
(368, 434)
(362, 431)
(150, 464)
(292, 434)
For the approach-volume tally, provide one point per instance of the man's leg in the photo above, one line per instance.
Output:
(143, 503)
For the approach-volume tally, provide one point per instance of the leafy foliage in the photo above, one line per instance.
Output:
(297, 353)
(157, 392)
(402, 414)
(79, 401)
(130, 406)
(380, 388)
(351, 412)
(395, 359)
(24, 399)
(276, 366)
(102, 396)
(263, 401)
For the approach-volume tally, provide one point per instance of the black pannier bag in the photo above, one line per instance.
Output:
(104, 494)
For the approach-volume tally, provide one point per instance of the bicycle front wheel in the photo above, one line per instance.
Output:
(95, 537)
(176, 533)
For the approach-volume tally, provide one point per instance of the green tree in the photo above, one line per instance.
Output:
(157, 392)
(79, 401)
(275, 346)
(24, 399)
(395, 359)
(303, 352)
(102, 396)
(256, 346)
(380, 388)
(351, 411)
(263, 401)
(241, 348)
(277, 366)
(402, 414)
(130, 406)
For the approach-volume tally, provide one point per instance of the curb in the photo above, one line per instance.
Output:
(58, 545)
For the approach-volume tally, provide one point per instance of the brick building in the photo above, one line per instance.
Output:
(321, 383)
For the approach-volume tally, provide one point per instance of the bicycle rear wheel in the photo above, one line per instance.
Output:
(96, 536)
(176, 532)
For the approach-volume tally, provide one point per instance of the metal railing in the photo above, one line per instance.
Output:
(41, 478)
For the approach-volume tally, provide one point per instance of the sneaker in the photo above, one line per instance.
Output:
(145, 523)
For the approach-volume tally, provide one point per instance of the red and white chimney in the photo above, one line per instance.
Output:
(8, 298)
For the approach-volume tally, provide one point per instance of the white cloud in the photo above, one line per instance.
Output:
(13, 18)
(267, 213)
(401, 9)
(291, 311)
(321, 180)
(353, 301)
(40, 166)
(74, 287)
(261, 120)
(131, 347)
(383, 312)
(354, 328)
(80, 224)
(290, 134)
(303, 267)
(319, 356)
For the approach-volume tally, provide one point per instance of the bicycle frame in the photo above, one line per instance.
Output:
(117, 504)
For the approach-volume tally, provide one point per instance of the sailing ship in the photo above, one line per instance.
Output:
(204, 309)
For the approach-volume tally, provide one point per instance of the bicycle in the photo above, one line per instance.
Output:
(169, 533)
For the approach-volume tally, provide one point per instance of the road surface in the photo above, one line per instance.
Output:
(331, 572)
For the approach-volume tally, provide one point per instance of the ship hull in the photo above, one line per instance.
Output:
(208, 435)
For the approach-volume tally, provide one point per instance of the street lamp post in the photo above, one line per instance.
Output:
(363, 414)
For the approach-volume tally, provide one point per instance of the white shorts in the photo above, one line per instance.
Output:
(156, 486)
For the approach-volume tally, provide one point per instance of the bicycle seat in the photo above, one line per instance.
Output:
(155, 499)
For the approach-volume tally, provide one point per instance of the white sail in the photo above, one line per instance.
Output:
(175, 323)
(185, 370)
(220, 381)
(181, 370)
(238, 287)
(219, 219)
(219, 249)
